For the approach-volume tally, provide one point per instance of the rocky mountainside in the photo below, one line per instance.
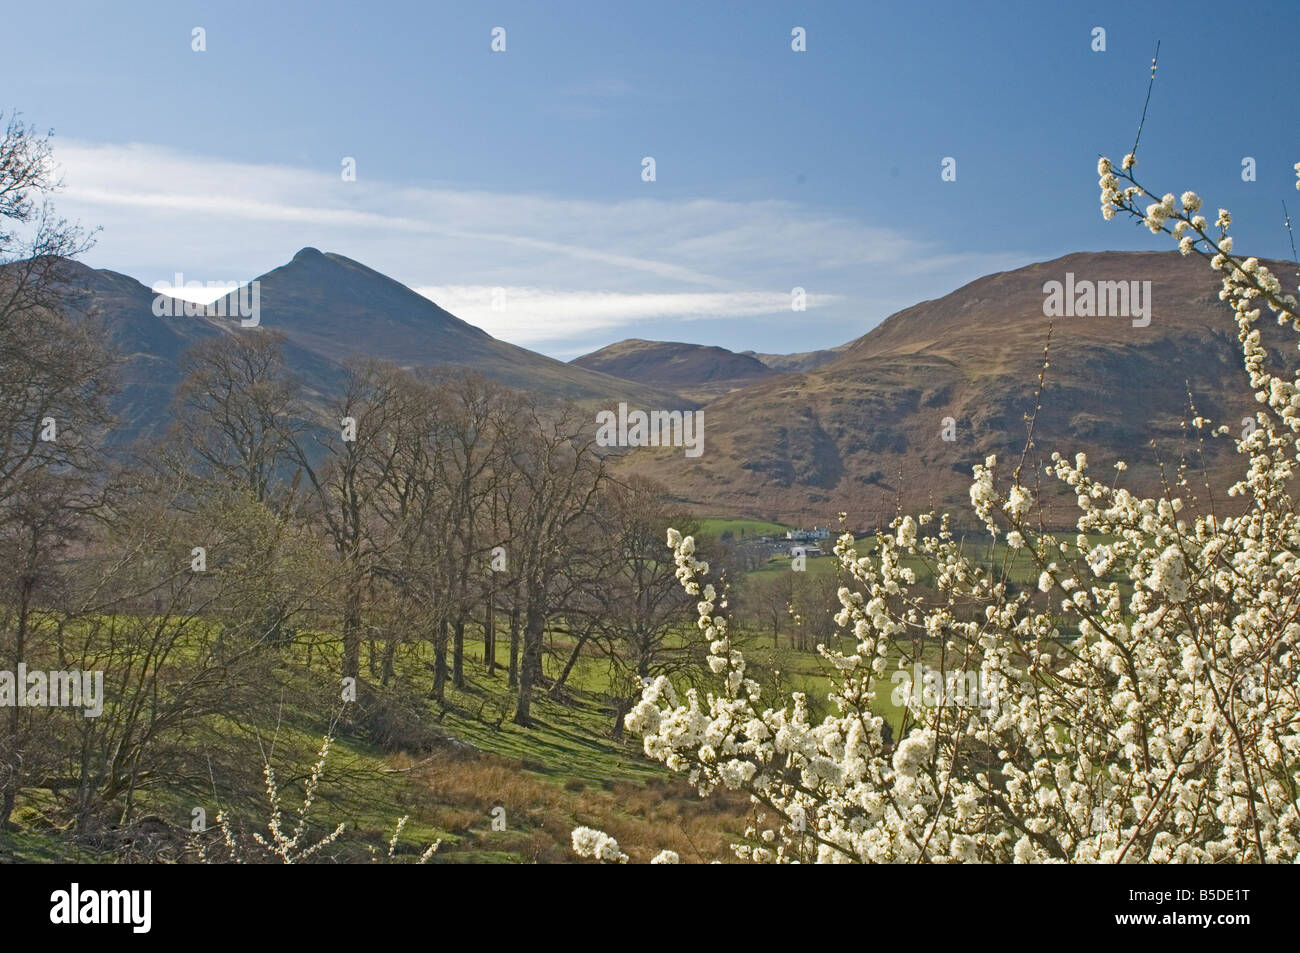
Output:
(901, 414)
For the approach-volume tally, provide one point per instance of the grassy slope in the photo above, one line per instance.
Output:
(565, 771)
(741, 528)
(475, 762)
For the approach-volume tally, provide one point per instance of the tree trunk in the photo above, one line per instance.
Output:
(390, 652)
(643, 657)
(530, 672)
(440, 663)
(10, 794)
(621, 707)
(514, 646)
(568, 666)
(352, 634)
(458, 653)
(490, 631)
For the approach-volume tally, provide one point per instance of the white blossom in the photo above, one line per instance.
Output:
(1146, 707)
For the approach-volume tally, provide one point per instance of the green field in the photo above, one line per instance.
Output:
(457, 769)
(741, 528)
(1019, 565)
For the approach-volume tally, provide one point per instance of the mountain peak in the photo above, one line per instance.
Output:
(699, 371)
(331, 307)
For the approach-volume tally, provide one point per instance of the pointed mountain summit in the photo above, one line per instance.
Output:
(895, 418)
(330, 304)
(333, 307)
(330, 308)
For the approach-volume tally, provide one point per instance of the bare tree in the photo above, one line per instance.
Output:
(767, 600)
(469, 411)
(54, 382)
(560, 475)
(349, 467)
(237, 409)
(635, 602)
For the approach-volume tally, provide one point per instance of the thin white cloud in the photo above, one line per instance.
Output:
(185, 289)
(585, 267)
(534, 316)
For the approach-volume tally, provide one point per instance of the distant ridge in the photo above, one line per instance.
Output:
(863, 432)
(330, 308)
(698, 370)
(804, 361)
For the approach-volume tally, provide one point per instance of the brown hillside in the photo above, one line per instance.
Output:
(863, 432)
(698, 371)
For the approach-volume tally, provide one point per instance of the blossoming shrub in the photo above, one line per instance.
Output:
(285, 847)
(1148, 705)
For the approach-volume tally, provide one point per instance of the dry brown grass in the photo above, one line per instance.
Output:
(541, 812)
(799, 448)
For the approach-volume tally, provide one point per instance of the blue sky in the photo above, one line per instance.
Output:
(521, 170)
